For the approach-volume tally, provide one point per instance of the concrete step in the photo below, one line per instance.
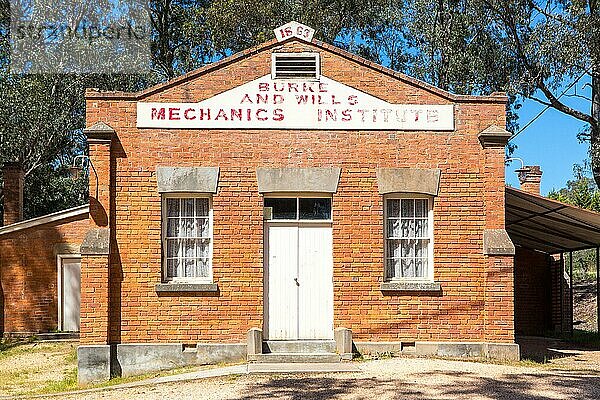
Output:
(57, 336)
(295, 368)
(277, 358)
(298, 346)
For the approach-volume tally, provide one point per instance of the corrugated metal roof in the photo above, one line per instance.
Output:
(547, 225)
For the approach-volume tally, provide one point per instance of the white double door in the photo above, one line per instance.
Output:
(298, 281)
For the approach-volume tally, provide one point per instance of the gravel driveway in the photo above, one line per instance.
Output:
(399, 378)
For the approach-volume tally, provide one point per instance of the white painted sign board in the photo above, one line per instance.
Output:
(294, 29)
(266, 103)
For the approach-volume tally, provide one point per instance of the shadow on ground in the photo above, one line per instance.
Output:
(436, 384)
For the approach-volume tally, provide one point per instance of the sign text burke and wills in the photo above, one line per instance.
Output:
(278, 104)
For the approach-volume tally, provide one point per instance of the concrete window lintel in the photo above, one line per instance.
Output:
(187, 179)
(315, 180)
(187, 287)
(398, 286)
(408, 180)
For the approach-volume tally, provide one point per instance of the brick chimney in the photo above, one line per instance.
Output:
(13, 176)
(530, 177)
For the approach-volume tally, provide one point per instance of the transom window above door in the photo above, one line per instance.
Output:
(298, 208)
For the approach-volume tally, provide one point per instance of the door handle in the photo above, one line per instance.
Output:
(296, 280)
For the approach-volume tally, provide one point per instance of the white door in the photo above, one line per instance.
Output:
(70, 294)
(281, 266)
(315, 282)
(299, 270)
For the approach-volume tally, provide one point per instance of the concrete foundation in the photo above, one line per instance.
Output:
(138, 359)
(93, 363)
(97, 363)
(214, 353)
(499, 351)
(374, 348)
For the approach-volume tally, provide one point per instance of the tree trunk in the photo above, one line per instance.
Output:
(595, 83)
(594, 127)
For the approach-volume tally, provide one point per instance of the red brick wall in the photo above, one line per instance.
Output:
(13, 176)
(561, 296)
(533, 301)
(462, 210)
(28, 274)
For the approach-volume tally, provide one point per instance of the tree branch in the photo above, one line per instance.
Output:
(553, 101)
(550, 15)
(579, 96)
(536, 99)
(560, 106)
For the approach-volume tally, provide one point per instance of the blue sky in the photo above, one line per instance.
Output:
(550, 142)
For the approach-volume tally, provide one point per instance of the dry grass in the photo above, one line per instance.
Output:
(38, 367)
(51, 367)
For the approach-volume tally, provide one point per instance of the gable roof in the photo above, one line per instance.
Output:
(79, 211)
(497, 97)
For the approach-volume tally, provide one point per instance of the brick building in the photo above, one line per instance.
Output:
(293, 193)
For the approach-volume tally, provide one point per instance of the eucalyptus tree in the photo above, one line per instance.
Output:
(553, 46)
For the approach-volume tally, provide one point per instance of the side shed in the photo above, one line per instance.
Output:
(544, 231)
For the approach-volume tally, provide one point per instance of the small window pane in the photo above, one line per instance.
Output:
(202, 227)
(393, 249)
(421, 267)
(313, 208)
(408, 208)
(187, 207)
(393, 208)
(189, 248)
(202, 207)
(393, 228)
(408, 228)
(172, 247)
(408, 248)
(187, 227)
(173, 207)
(421, 228)
(190, 267)
(283, 208)
(202, 268)
(203, 248)
(393, 267)
(172, 265)
(408, 268)
(421, 248)
(421, 208)
(173, 227)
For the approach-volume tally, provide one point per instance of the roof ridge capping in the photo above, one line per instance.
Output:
(290, 31)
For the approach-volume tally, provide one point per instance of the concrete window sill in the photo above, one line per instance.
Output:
(434, 287)
(186, 287)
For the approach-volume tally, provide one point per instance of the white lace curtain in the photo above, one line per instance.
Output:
(188, 238)
(407, 235)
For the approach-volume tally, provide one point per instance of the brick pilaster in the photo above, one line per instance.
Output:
(499, 265)
(95, 249)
